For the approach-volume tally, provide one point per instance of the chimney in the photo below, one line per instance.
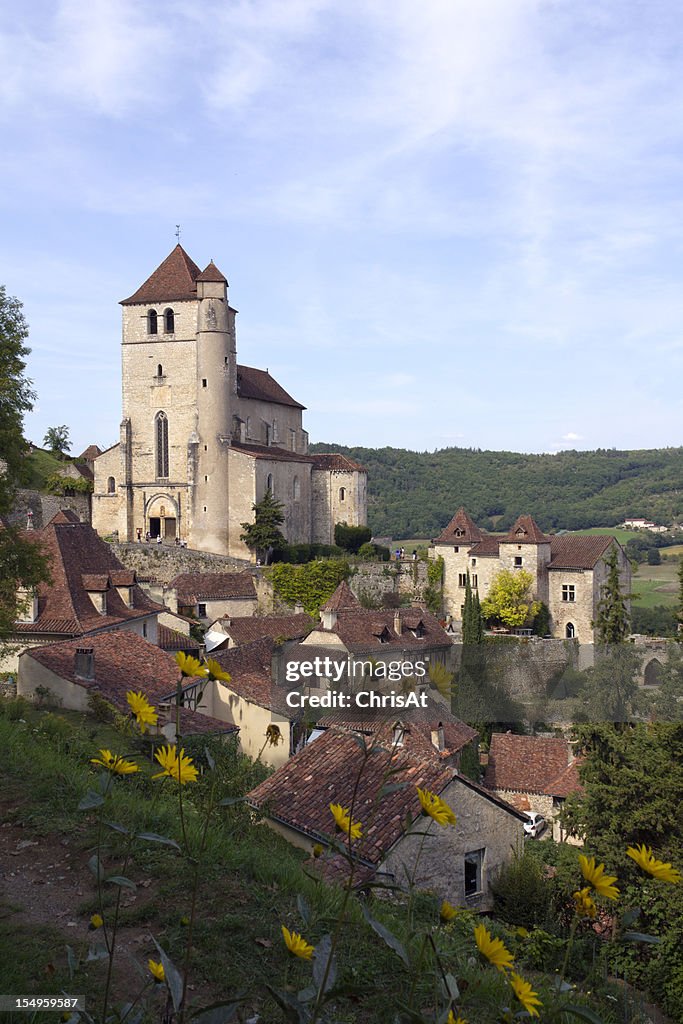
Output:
(298, 608)
(438, 739)
(329, 618)
(84, 663)
(397, 622)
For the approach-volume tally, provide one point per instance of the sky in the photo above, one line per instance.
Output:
(443, 224)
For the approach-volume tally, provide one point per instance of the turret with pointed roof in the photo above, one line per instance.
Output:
(174, 280)
(460, 530)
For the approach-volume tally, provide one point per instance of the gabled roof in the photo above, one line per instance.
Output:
(343, 597)
(335, 462)
(78, 558)
(259, 385)
(250, 676)
(360, 630)
(531, 764)
(526, 531)
(248, 628)
(299, 793)
(173, 640)
(460, 530)
(200, 586)
(90, 453)
(574, 551)
(212, 273)
(174, 280)
(271, 453)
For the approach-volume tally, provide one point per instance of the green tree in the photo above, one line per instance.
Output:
(653, 556)
(509, 600)
(57, 440)
(612, 624)
(22, 565)
(264, 536)
(680, 598)
(351, 538)
(472, 620)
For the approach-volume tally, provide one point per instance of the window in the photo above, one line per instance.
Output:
(474, 561)
(570, 631)
(203, 382)
(342, 494)
(518, 561)
(201, 610)
(269, 483)
(568, 592)
(144, 629)
(161, 433)
(474, 863)
(456, 549)
(152, 326)
(160, 370)
(462, 579)
(475, 581)
(111, 485)
(275, 437)
(169, 321)
(296, 489)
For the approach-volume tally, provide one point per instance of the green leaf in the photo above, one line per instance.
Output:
(72, 961)
(630, 916)
(124, 883)
(304, 909)
(207, 753)
(95, 865)
(390, 939)
(90, 801)
(230, 801)
(391, 787)
(152, 837)
(97, 954)
(306, 994)
(584, 1013)
(640, 937)
(294, 1010)
(174, 982)
(117, 828)
(217, 1013)
(321, 958)
(449, 986)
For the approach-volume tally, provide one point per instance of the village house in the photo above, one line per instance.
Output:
(202, 438)
(230, 631)
(90, 591)
(534, 773)
(75, 673)
(457, 863)
(207, 596)
(568, 571)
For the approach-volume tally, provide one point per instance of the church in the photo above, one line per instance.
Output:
(203, 438)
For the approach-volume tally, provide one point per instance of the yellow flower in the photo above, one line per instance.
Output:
(156, 970)
(455, 1020)
(447, 912)
(190, 666)
(273, 735)
(114, 764)
(297, 945)
(343, 821)
(176, 766)
(526, 995)
(318, 850)
(144, 712)
(595, 876)
(584, 903)
(644, 858)
(435, 807)
(493, 949)
(216, 672)
(522, 932)
(96, 921)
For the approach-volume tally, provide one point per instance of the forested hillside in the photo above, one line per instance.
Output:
(414, 494)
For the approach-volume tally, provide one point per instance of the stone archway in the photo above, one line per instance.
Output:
(652, 675)
(162, 517)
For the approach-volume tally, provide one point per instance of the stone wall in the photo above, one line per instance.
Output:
(163, 562)
(372, 580)
(45, 506)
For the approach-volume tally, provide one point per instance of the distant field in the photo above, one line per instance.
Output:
(655, 584)
(615, 531)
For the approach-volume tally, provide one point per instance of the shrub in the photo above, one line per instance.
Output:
(351, 538)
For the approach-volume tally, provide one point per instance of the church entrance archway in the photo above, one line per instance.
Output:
(161, 513)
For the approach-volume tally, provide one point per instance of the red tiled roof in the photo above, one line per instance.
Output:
(172, 640)
(299, 793)
(359, 630)
(90, 453)
(200, 586)
(343, 597)
(336, 463)
(250, 676)
(530, 764)
(460, 530)
(194, 723)
(248, 628)
(259, 385)
(76, 557)
(526, 531)
(172, 281)
(573, 551)
(272, 453)
(212, 273)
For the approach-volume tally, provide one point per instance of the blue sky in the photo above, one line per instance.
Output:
(446, 223)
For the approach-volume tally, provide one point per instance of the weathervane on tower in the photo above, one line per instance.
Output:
(177, 233)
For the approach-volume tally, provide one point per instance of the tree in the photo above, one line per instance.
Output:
(57, 440)
(472, 621)
(653, 556)
(509, 600)
(612, 624)
(22, 565)
(351, 538)
(264, 535)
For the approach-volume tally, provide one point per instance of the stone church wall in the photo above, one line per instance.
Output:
(45, 506)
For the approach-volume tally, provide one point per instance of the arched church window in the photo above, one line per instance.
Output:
(161, 437)
(269, 483)
(111, 485)
(342, 494)
(296, 489)
(152, 325)
(570, 631)
(169, 321)
(160, 370)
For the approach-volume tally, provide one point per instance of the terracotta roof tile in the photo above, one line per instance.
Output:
(529, 764)
(271, 453)
(343, 597)
(95, 581)
(172, 281)
(526, 531)
(246, 629)
(250, 675)
(574, 551)
(359, 629)
(460, 530)
(259, 385)
(336, 463)
(90, 453)
(172, 640)
(200, 586)
(488, 546)
(212, 273)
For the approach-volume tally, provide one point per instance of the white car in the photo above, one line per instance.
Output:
(534, 825)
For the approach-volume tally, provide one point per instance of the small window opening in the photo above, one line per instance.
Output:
(169, 321)
(111, 485)
(203, 382)
(152, 322)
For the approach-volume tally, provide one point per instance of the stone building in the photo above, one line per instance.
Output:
(203, 438)
(568, 571)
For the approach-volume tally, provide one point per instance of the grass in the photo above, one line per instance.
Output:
(622, 535)
(37, 467)
(655, 585)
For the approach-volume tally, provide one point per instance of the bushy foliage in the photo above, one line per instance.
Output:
(374, 552)
(311, 584)
(351, 538)
(509, 601)
(298, 554)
